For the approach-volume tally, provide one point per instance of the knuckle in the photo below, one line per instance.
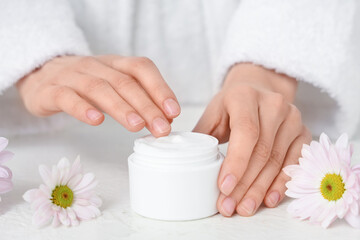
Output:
(86, 62)
(95, 84)
(145, 61)
(142, 62)
(77, 107)
(258, 190)
(262, 151)
(277, 101)
(149, 109)
(125, 83)
(295, 114)
(59, 94)
(119, 107)
(250, 127)
(40, 111)
(241, 189)
(243, 91)
(228, 97)
(276, 158)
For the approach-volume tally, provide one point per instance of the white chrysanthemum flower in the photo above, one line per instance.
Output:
(324, 184)
(66, 197)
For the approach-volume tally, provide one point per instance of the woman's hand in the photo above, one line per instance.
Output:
(253, 111)
(129, 89)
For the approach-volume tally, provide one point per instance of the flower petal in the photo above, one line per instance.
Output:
(42, 215)
(356, 169)
(306, 181)
(86, 212)
(348, 198)
(334, 160)
(64, 171)
(327, 208)
(304, 206)
(5, 156)
(293, 187)
(30, 195)
(291, 170)
(311, 167)
(5, 172)
(71, 213)
(329, 220)
(55, 174)
(353, 193)
(46, 191)
(320, 157)
(82, 202)
(63, 163)
(3, 143)
(341, 208)
(74, 181)
(86, 183)
(46, 176)
(96, 201)
(88, 199)
(325, 141)
(76, 167)
(350, 181)
(56, 221)
(342, 141)
(353, 220)
(39, 201)
(354, 208)
(64, 218)
(5, 185)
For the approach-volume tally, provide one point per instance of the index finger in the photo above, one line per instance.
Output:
(148, 75)
(244, 133)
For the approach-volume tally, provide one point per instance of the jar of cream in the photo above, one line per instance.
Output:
(175, 177)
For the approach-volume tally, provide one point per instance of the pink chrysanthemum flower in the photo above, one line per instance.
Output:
(66, 197)
(5, 173)
(324, 184)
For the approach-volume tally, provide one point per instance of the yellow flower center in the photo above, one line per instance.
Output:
(332, 187)
(62, 196)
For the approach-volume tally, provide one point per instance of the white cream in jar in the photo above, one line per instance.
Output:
(175, 177)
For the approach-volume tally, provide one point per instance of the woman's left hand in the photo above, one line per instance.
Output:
(254, 112)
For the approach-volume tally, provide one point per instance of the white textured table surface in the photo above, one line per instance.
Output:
(104, 151)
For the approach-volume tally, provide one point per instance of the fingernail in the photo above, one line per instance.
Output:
(171, 107)
(160, 125)
(248, 205)
(228, 206)
(274, 198)
(93, 115)
(134, 119)
(228, 184)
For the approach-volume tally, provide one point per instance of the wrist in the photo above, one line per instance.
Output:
(260, 77)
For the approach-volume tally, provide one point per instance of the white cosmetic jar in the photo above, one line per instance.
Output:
(175, 177)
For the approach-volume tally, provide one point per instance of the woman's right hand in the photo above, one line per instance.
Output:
(129, 89)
